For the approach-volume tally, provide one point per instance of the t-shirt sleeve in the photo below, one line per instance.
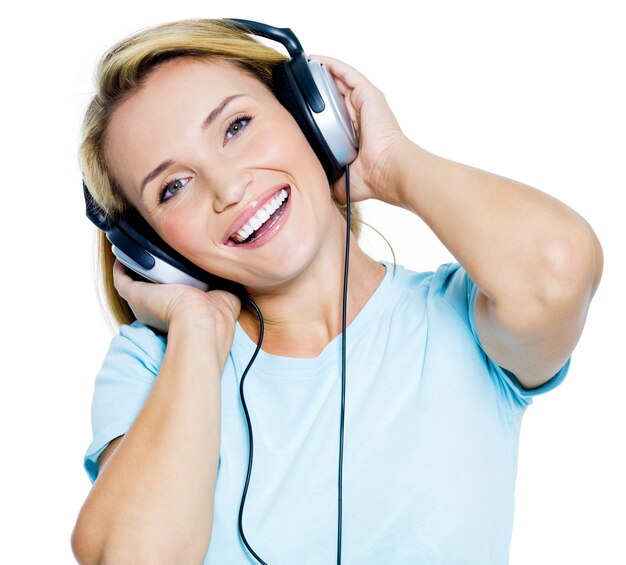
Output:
(122, 385)
(460, 291)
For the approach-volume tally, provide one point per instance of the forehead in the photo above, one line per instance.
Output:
(206, 72)
(186, 83)
(174, 100)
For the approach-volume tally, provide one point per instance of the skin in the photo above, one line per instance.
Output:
(527, 249)
(301, 268)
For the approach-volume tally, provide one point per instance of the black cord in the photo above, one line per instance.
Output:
(343, 393)
(250, 442)
(343, 369)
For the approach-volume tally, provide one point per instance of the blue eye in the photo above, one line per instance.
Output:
(171, 188)
(236, 126)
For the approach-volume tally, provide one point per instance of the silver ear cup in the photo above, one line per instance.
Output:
(334, 120)
(161, 272)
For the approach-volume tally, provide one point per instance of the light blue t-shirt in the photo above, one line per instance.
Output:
(431, 434)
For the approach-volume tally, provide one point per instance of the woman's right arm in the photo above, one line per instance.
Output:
(153, 499)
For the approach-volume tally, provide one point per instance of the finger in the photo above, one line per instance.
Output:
(338, 190)
(122, 280)
(233, 301)
(355, 88)
(120, 277)
(343, 88)
(341, 71)
(118, 268)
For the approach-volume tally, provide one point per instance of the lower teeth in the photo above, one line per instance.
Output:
(269, 221)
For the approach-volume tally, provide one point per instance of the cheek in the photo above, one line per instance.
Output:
(286, 147)
(185, 233)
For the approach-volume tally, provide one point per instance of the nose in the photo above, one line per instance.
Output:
(230, 188)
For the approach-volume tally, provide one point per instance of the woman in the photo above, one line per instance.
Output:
(441, 365)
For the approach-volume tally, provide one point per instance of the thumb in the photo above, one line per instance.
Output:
(232, 302)
(338, 190)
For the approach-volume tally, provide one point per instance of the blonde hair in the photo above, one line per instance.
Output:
(121, 72)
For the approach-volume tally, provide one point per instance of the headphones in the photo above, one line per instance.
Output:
(308, 92)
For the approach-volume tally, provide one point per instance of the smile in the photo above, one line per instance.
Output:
(262, 220)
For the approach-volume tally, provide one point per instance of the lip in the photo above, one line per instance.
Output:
(250, 210)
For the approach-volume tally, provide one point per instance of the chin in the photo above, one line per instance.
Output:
(284, 268)
(302, 248)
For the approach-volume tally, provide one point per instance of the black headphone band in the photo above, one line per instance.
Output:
(297, 61)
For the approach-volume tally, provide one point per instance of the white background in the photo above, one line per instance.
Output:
(532, 90)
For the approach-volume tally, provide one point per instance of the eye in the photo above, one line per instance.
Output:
(171, 188)
(236, 126)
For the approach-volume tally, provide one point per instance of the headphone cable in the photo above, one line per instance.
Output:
(343, 369)
(249, 425)
(343, 394)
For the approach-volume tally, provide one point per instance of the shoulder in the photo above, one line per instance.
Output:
(128, 372)
(136, 344)
(449, 283)
(437, 280)
(437, 299)
(142, 336)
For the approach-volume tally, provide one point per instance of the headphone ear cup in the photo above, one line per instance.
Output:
(334, 120)
(140, 248)
(320, 128)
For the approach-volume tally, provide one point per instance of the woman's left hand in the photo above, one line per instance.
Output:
(380, 136)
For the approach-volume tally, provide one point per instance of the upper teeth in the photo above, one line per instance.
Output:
(260, 217)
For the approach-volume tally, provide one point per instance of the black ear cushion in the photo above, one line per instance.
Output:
(137, 229)
(142, 234)
(288, 94)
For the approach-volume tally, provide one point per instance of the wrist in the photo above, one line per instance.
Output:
(397, 175)
(210, 323)
(211, 337)
(416, 171)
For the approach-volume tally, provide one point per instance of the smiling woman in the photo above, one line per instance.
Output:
(235, 149)
(124, 70)
(191, 133)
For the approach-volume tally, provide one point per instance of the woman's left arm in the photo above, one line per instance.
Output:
(536, 262)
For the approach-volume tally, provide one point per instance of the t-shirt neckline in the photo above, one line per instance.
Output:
(279, 365)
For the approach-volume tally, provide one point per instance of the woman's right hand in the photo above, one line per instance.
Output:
(165, 467)
(160, 305)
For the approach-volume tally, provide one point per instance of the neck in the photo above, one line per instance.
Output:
(305, 315)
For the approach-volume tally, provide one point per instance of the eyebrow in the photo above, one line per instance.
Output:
(155, 173)
(218, 110)
(205, 124)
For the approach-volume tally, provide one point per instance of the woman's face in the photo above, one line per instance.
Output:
(206, 153)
